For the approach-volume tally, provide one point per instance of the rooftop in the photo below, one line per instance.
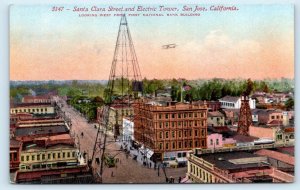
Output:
(41, 130)
(215, 114)
(31, 105)
(232, 99)
(277, 156)
(234, 160)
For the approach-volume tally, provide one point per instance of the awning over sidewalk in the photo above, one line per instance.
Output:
(148, 152)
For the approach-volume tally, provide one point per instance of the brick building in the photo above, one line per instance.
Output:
(170, 126)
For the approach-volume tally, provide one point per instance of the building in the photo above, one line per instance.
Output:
(170, 127)
(211, 105)
(29, 133)
(215, 119)
(14, 154)
(268, 116)
(117, 112)
(128, 129)
(279, 134)
(48, 152)
(52, 159)
(233, 167)
(36, 99)
(214, 140)
(33, 108)
(231, 102)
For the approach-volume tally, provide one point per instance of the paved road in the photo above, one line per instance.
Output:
(127, 170)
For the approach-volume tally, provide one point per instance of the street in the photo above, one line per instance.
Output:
(127, 169)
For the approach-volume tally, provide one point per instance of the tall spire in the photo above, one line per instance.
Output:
(125, 72)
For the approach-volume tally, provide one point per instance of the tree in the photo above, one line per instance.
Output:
(289, 104)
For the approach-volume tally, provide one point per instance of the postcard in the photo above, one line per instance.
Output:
(147, 94)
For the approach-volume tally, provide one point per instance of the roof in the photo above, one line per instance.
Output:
(31, 105)
(275, 122)
(36, 97)
(230, 99)
(41, 130)
(287, 150)
(215, 114)
(14, 143)
(289, 129)
(277, 156)
(44, 142)
(234, 160)
(243, 138)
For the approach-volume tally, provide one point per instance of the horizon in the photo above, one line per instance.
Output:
(255, 42)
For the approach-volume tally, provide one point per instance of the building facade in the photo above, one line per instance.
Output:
(41, 108)
(231, 102)
(215, 119)
(170, 127)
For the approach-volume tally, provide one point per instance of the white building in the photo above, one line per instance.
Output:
(128, 129)
(231, 102)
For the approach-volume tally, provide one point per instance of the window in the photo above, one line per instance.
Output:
(22, 158)
(272, 117)
(217, 141)
(211, 142)
(196, 144)
(184, 115)
(173, 124)
(53, 155)
(179, 115)
(45, 109)
(167, 116)
(160, 124)
(179, 133)
(179, 124)
(73, 154)
(49, 156)
(159, 116)
(33, 158)
(190, 115)
(191, 144)
(196, 133)
(160, 146)
(173, 145)
(277, 117)
(185, 133)
(27, 158)
(38, 157)
(167, 124)
(68, 154)
(185, 144)
(173, 115)
(167, 146)
(43, 156)
(173, 134)
(190, 133)
(202, 132)
(195, 114)
(202, 143)
(160, 135)
(167, 135)
(179, 144)
(58, 155)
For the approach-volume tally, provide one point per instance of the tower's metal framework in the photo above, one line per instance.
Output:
(125, 82)
(245, 118)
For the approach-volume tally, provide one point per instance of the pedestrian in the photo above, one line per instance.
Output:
(179, 180)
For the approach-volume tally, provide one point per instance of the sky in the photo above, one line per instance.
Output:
(257, 42)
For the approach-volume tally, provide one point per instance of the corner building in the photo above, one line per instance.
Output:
(169, 126)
